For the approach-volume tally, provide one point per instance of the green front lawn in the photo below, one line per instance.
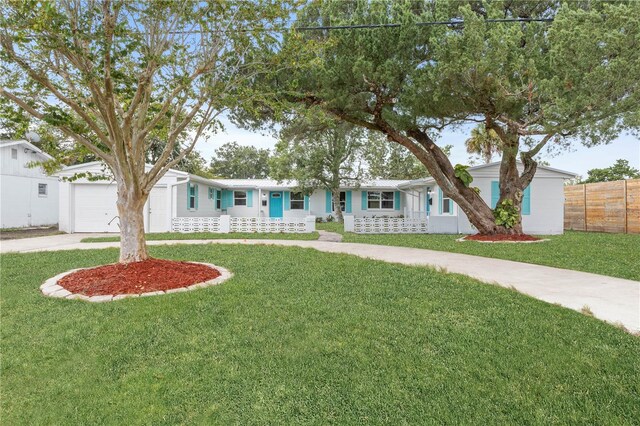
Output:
(211, 236)
(299, 336)
(607, 254)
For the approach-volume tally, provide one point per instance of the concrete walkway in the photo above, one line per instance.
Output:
(614, 300)
(329, 236)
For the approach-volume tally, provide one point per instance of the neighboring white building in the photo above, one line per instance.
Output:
(28, 197)
(542, 204)
(90, 206)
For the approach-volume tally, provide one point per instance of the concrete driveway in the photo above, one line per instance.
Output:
(614, 300)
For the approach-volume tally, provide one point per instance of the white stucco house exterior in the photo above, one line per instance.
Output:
(542, 204)
(90, 206)
(28, 197)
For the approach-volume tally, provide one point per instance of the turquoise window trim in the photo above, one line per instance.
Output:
(365, 200)
(396, 200)
(348, 196)
(327, 202)
(306, 202)
(218, 197)
(287, 200)
(250, 198)
(192, 192)
(428, 204)
(439, 201)
(495, 193)
(526, 201)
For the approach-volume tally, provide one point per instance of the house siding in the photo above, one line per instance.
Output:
(21, 205)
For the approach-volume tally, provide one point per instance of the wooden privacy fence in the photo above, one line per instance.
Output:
(603, 207)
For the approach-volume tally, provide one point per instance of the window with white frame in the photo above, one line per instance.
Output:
(42, 189)
(447, 205)
(297, 201)
(380, 200)
(14, 154)
(239, 198)
(343, 202)
(218, 199)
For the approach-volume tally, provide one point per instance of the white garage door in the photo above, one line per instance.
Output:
(95, 207)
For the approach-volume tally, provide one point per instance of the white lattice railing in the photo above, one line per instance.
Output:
(225, 224)
(261, 224)
(386, 225)
(196, 224)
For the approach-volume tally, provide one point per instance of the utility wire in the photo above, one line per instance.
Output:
(420, 24)
(459, 22)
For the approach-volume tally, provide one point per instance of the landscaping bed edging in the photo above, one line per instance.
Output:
(464, 240)
(50, 288)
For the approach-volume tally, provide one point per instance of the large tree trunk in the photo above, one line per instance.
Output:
(469, 201)
(335, 195)
(130, 204)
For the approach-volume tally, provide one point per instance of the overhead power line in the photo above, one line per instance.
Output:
(420, 24)
(458, 22)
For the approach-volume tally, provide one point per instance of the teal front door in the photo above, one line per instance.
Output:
(275, 204)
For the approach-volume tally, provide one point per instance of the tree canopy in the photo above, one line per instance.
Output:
(530, 82)
(235, 161)
(620, 170)
(112, 75)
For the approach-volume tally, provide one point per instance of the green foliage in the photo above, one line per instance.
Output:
(506, 214)
(483, 143)
(621, 170)
(562, 82)
(385, 160)
(462, 173)
(318, 152)
(234, 161)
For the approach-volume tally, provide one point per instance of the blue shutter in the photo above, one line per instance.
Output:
(196, 185)
(526, 201)
(249, 198)
(227, 199)
(306, 202)
(188, 195)
(396, 200)
(428, 198)
(287, 200)
(439, 201)
(347, 197)
(327, 207)
(364, 200)
(495, 193)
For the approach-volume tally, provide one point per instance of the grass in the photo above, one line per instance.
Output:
(330, 226)
(302, 337)
(211, 236)
(599, 253)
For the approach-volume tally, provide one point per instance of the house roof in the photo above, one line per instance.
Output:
(274, 184)
(429, 180)
(25, 143)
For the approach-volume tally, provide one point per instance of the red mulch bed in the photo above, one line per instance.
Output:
(138, 277)
(517, 238)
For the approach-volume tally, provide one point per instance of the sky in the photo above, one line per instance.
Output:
(578, 159)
